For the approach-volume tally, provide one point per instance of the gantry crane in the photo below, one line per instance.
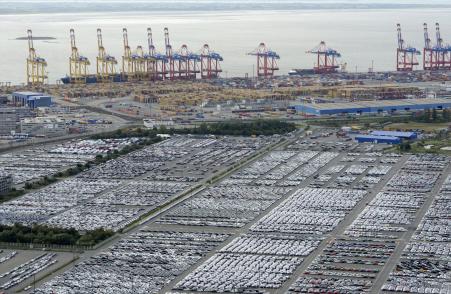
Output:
(187, 63)
(443, 52)
(106, 64)
(209, 65)
(169, 56)
(439, 49)
(78, 64)
(133, 63)
(437, 56)
(326, 59)
(157, 63)
(151, 61)
(139, 63)
(428, 52)
(405, 55)
(266, 61)
(127, 63)
(36, 66)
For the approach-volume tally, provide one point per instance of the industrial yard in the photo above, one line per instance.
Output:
(157, 172)
(281, 214)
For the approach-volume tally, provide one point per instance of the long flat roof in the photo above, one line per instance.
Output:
(27, 93)
(393, 133)
(378, 103)
(377, 137)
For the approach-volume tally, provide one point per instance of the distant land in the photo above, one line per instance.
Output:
(61, 6)
(36, 38)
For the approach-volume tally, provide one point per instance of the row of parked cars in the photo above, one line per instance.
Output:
(28, 269)
(143, 263)
(425, 266)
(224, 206)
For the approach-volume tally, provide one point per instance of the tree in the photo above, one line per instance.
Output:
(426, 115)
(405, 146)
(434, 115)
(446, 115)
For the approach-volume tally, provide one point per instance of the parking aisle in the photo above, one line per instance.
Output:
(144, 180)
(330, 273)
(425, 273)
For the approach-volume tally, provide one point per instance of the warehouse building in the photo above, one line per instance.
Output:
(367, 107)
(44, 126)
(31, 99)
(377, 139)
(10, 118)
(3, 100)
(401, 135)
(6, 182)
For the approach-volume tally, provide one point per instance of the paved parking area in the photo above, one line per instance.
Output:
(33, 163)
(18, 266)
(308, 217)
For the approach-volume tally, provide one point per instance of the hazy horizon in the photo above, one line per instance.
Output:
(362, 35)
(65, 6)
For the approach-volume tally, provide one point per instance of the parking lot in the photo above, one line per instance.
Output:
(16, 266)
(116, 193)
(33, 163)
(306, 217)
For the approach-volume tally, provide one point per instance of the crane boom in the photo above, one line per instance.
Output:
(427, 40)
(36, 66)
(400, 40)
(30, 42)
(439, 40)
(100, 43)
(167, 42)
(150, 42)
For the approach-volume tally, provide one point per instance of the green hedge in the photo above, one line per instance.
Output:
(41, 234)
(237, 128)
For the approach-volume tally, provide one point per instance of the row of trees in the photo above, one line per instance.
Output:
(434, 116)
(236, 128)
(41, 234)
(128, 133)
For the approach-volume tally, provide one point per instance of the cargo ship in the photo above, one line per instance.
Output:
(301, 72)
(92, 79)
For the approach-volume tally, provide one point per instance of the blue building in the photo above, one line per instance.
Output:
(401, 135)
(377, 139)
(31, 99)
(368, 107)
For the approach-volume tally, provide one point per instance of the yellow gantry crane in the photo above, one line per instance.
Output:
(106, 64)
(133, 63)
(36, 66)
(151, 61)
(140, 62)
(78, 64)
(127, 63)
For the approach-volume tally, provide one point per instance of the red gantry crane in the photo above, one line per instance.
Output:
(187, 63)
(406, 56)
(442, 51)
(210, 63)
(326, 59)
(266, 61)
(428, 52)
